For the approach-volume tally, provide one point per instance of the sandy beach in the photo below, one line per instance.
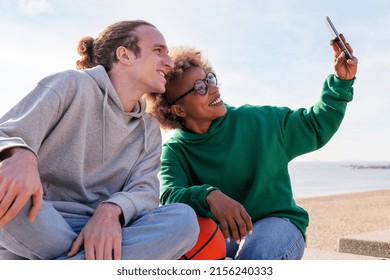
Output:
(332, 217)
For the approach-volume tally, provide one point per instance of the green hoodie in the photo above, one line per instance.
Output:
(245, 154)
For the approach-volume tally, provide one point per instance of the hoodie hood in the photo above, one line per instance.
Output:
(101, 77)
(113, 104)
(189, 136)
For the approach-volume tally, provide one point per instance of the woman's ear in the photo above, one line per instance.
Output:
(178, 110)
(124, 55)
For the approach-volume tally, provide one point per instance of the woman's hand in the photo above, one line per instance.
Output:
(230, 214)
(345, 69)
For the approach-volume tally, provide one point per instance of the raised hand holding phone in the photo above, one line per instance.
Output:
(345, 62)
(337, 38)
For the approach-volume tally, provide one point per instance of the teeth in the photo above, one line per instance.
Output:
(161, 73)
(216, 101)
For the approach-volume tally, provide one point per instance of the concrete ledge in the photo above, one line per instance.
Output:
(317, 254)
(375, 244)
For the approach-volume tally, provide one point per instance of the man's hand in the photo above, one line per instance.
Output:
(345, 69)
(230, 213)
(19, 181)
(102, 235)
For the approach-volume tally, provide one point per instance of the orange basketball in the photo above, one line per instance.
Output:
(210, 244)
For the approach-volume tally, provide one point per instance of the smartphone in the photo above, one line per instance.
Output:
(336, 37)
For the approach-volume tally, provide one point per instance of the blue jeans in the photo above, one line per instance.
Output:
(164, 233)
(272, 239)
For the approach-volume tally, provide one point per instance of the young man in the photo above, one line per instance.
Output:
(79, 158)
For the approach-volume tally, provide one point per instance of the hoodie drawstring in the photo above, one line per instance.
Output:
(145, 135)
(143, 123)
(105, 102)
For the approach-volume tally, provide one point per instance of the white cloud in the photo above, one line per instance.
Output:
(34, 7)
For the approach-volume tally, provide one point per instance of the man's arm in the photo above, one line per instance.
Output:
(19, 182)
(102, 236)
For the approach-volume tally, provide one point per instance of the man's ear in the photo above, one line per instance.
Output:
(124, 55)
(178, 110)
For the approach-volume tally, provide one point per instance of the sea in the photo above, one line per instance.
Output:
(317, 178)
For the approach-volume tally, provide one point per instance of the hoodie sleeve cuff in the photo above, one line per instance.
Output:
(203, 195)
(14, 142)
(128, 208)
(343, 83)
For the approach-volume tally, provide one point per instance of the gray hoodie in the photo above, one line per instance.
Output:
(89, 149)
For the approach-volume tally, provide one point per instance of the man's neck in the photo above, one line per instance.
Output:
(125, 88)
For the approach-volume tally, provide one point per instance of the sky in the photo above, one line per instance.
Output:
(264, 53)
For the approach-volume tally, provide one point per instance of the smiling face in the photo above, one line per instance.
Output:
(198, 111)
(150, 67)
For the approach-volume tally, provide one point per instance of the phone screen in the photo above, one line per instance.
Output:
(336, 36)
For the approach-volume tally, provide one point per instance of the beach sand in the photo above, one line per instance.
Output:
(332, 217)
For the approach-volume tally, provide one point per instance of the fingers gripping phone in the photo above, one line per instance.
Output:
(337, 38)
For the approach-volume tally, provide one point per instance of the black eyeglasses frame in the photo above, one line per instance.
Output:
(205, 82)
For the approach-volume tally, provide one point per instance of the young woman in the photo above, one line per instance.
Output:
(231, 164)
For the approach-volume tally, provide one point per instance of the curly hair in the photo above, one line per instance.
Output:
(102, 50)
(159, 105)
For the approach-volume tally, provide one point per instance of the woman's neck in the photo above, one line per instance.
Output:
(197, 127)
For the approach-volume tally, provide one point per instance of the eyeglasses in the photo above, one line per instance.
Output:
(200, 86)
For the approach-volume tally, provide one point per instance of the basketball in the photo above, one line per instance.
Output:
(210, 244)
